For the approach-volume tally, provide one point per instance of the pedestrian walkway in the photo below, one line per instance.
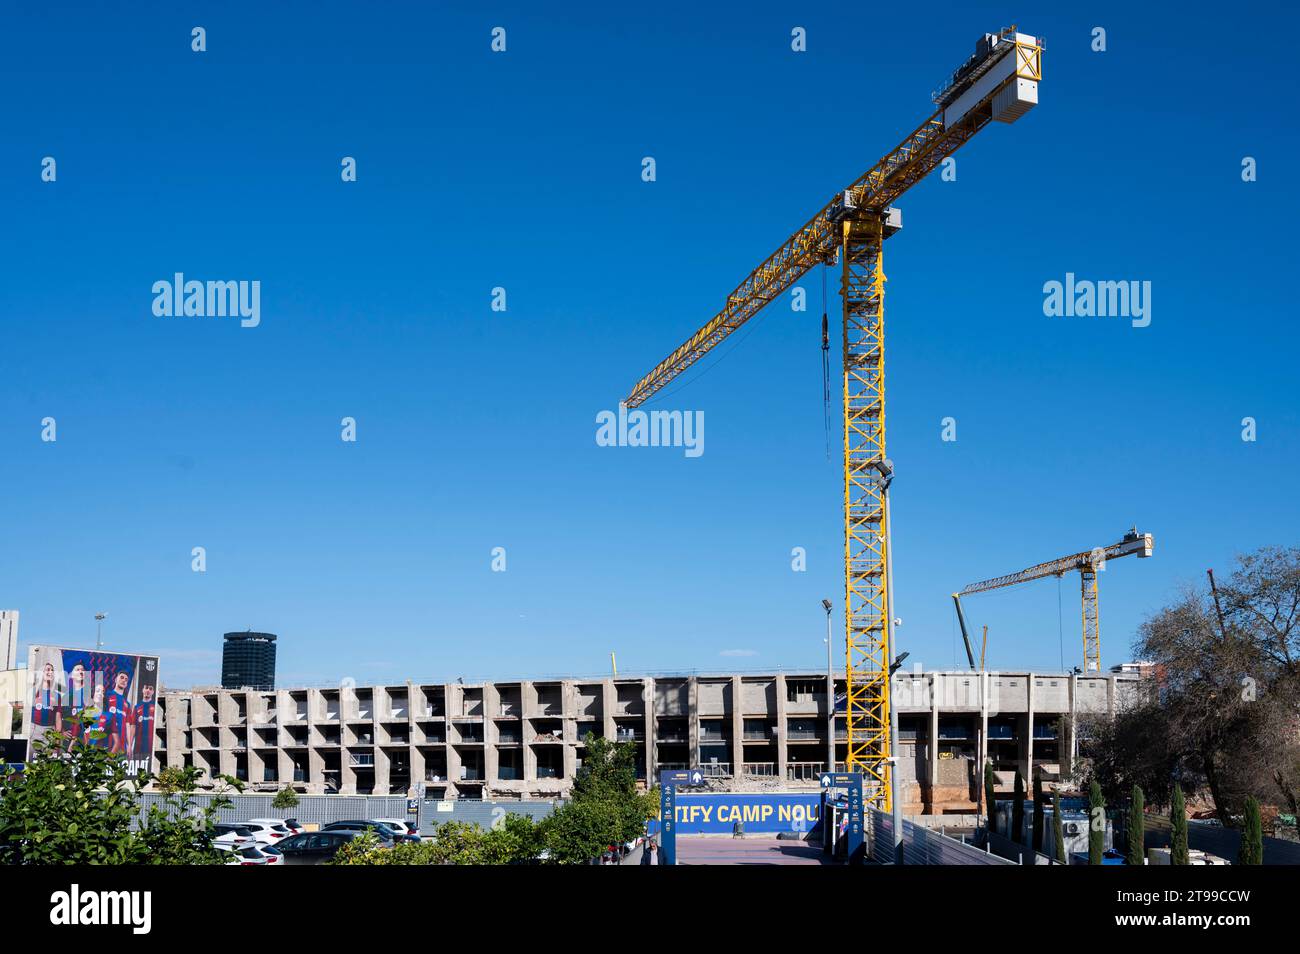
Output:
(698, 850)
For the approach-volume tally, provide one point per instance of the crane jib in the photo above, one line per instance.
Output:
(1004, 91)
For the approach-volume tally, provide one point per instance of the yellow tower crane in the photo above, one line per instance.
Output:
(1088, 563)
(999, 82)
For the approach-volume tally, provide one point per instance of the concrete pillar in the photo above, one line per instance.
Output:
(569, 704)
(1074, 694)
(648, 715)
(782, 755)
(284, 767)
(983, 730)
(417, 766)
(1029, 760)
(491, 735)
(453, 770)
(608, 703)
(316, 768)
(737, 727)
(934, 739)
(529, 709)
(693, 720)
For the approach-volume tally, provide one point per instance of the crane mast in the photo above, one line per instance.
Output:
(1000, 82)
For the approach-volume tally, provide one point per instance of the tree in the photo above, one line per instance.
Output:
(1252, 836)
(1221, 711)
(1178, 827)
(990, 804)
(605, 808)
(1058, 830)
(178, 831)
(516, 840)
(1136, 829)
(1038, 813)
(1096, 824)
(285, 798)
(1018, 809)
(77, 805)
(169, 779)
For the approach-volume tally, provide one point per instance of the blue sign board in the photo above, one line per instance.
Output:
(717, 813)
(855, 823)
(668, 783)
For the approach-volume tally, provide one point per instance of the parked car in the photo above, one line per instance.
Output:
(314, 847)
(401, 826)
(232, 836)
(267, 831)
(382, 831)
(251, 854)
(288, 824)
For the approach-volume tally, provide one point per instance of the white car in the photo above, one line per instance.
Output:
(227, 836)
(252, 855)
(400, 826)
(266, 831)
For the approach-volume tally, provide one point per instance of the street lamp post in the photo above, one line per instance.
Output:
(99, 630)
(830, 694)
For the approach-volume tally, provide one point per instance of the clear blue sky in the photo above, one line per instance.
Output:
(476, 428)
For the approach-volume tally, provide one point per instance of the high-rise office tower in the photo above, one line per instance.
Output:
(248, 661)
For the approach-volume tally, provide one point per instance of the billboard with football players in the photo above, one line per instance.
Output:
(98, 698)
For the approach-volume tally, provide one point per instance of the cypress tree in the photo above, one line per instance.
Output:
(1252, 836)
(1178, 826)
(1096, 824)
(1018, 810)
(1038, 813)
(1058, 830)
(1136, 829)
(990, 805)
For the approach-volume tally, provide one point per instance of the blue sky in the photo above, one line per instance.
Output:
(476, 429)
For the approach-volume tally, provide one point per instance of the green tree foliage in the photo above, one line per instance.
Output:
(517, 840)
(285, 798)
(76, 806)
(1038, 813)
(1136, 828)
(1018, 808)
(990, 803)
(170, 779)
(1252, 836)
(1058, 830)
(1178, 827)
(1096, 824)
(605, 807)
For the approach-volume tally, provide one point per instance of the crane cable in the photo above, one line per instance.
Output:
(826, 368)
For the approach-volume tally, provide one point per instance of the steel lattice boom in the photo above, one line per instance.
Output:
(1088, 563)
(1000, 82)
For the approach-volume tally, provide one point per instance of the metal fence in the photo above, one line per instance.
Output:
(922, 846)
(323, 809)
(1224, 842)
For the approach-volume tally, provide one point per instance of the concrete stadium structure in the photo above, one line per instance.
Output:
(523, 739)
